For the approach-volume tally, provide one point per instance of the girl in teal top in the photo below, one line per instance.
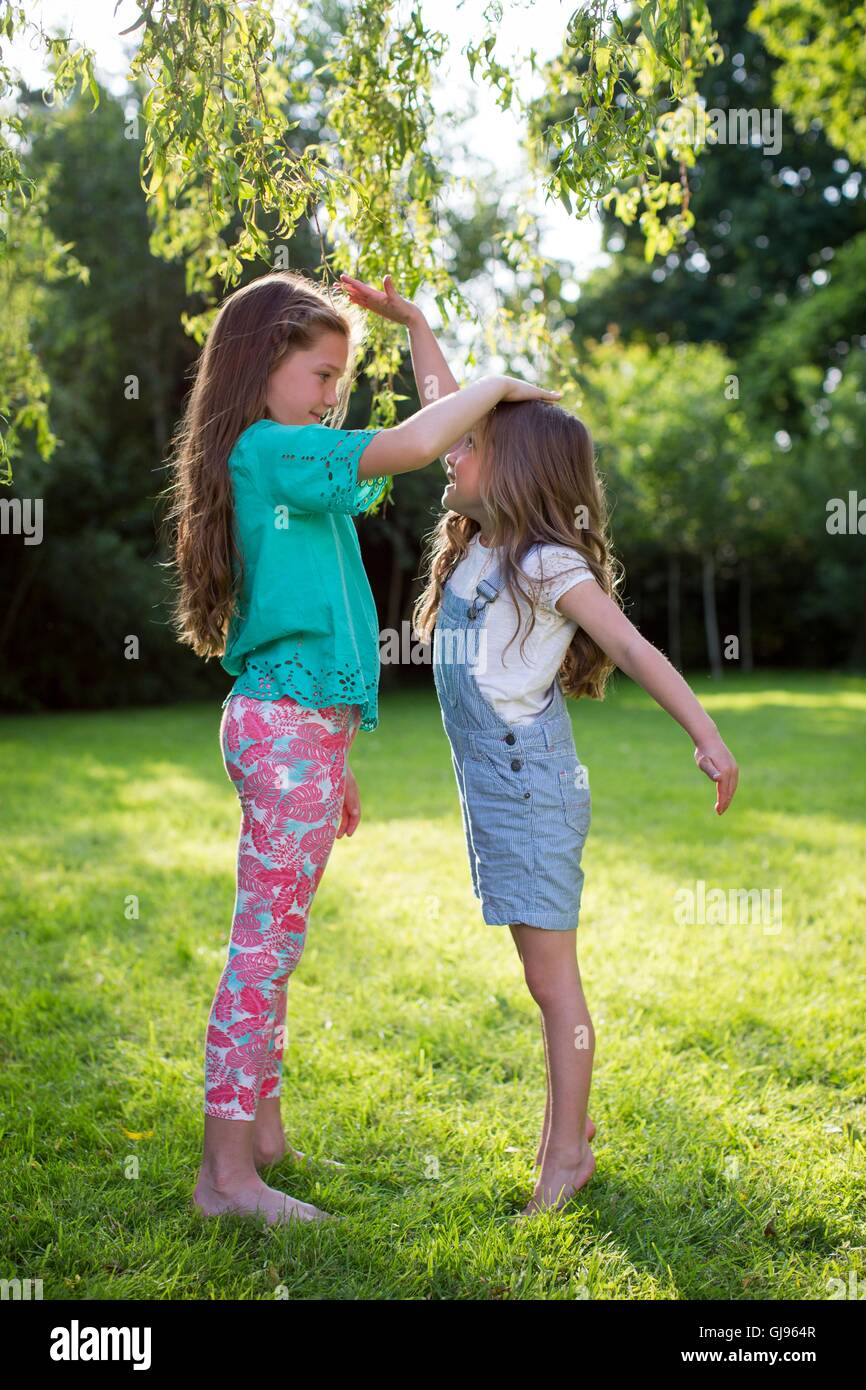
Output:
(265, 483)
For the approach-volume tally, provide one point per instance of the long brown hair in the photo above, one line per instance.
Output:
(254, 328)
(536, 469)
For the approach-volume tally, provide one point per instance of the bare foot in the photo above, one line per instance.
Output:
(254, 1198)
(272, 1148)
(560, 1177)
(590, 1135)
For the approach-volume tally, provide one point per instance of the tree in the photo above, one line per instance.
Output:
(29, 257)
(218, 87)
(673, 439)
(765, 222)
(821, 73)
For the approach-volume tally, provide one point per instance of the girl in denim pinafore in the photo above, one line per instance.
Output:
(524, 792)
(523, 476)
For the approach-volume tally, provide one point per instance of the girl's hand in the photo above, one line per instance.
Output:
(713, 758)
(387, 303)
(513, 389)
(351, 806)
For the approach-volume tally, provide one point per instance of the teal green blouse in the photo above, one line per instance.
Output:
(306, 622)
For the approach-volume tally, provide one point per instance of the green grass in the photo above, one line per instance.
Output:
(728, 1087)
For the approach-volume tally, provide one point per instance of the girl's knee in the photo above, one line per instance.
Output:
(549, 979)
(546, 988)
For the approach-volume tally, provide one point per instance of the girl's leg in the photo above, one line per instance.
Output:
(553, 979)
(269, 1140)
(545, 1130)
(288, 765)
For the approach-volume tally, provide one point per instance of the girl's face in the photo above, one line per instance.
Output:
(461, 494)
(304, 383)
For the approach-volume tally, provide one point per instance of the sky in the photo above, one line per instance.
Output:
(492, 138)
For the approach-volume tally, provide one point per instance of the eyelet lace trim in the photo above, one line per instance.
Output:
(268, 680)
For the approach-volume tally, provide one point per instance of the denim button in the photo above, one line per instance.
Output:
(525, 796)
(516, 764)
(510, 738)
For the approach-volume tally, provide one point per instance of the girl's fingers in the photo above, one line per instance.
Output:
(359, 292)
(729, 786)
(726, 782)
(708, 766)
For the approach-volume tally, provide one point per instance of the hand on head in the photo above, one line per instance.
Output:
(513, 389)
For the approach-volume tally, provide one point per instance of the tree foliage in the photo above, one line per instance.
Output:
(317, 146)
(218, 86)
(30, 258)
(820, 46)
(624, 88)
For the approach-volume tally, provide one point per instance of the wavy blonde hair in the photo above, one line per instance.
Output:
(536, 467)
(255, 328)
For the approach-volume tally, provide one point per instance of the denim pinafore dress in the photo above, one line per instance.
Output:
(524, 792)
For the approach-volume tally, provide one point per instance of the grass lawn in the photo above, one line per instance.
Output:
(728, 1089)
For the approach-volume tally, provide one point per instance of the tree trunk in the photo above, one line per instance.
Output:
(158, 403)
(675, 648)
(857, 654)
(711, 621)
(745, 613)
(26, 577)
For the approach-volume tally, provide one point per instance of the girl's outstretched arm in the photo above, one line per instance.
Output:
(588, 605)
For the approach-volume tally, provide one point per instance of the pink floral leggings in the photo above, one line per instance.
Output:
(288, 764)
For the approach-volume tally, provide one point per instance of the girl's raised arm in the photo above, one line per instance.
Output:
(433, 377)
(588, 605)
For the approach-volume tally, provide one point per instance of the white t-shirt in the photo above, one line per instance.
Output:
(519, 689)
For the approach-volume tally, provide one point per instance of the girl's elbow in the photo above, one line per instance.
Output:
(624, 653)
